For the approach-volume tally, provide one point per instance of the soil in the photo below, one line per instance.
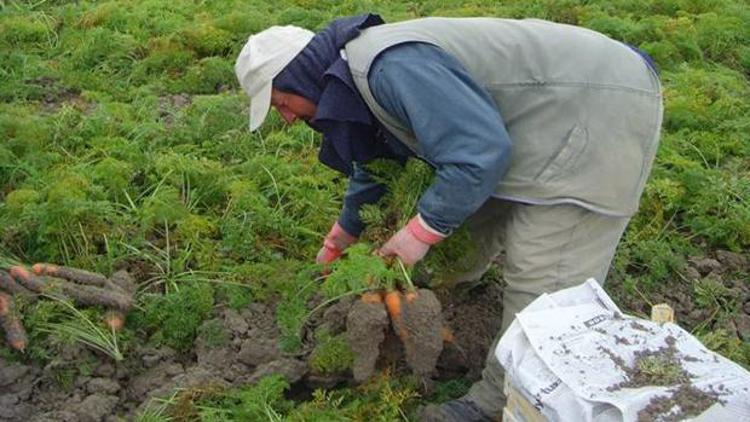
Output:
(663, 367)
(422, 332)
(725, 267)
(365, 329)
(474, 317)
(681, 403)
(653, 367)
(235, 348)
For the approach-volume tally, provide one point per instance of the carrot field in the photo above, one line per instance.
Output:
(124, 145)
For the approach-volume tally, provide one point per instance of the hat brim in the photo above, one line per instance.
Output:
(260, 103)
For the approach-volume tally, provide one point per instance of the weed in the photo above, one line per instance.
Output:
(332, 353)
(661, 370)
(173, 319)
(79, 327)
(726, 344)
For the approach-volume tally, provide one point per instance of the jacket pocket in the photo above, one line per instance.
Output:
(567, 156)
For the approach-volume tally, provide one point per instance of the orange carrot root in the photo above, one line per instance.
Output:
(14, 331)
(20, 273)
(4, 304)
(448, 336)
(114, 320)
(393, 304)
(44, 269)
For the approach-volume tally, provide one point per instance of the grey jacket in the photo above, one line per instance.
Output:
(583, 111)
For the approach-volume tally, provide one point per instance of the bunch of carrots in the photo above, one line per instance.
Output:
(82, 287)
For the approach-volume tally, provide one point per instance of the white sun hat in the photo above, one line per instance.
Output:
(262, 58)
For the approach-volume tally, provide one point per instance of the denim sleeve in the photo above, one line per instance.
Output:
(362, 190)
(458, 128)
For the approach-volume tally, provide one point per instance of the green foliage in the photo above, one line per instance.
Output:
(295, 291)
(383, 398)
(332, 353)
(164, 206)
(81, 328)
(207, 76)
(35, 29)
(728, 345)
(405, 187)
(446, 260)
(450, 390)
(710, 293)
(207, 40)
(661, 370)
(264, 401)
(173, 319)
(359, 271)
(41, 346)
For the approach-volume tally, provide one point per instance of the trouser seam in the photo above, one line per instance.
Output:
(562, 251)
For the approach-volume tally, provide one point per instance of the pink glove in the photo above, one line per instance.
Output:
(334, 244)
(412, 242)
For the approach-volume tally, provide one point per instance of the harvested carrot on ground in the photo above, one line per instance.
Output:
(85, 294)
(115, 320)
(71, 274)
(79, 286)
(14, 332)
(20, 273)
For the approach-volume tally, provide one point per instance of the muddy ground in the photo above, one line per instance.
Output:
(235, 348)
(724, 269)
(232, 349)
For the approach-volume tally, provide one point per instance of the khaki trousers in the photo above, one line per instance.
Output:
(547, 248)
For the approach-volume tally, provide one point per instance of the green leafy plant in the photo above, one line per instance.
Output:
(173, 319)
(332, 353)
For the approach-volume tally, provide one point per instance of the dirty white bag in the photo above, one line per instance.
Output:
(567, 352)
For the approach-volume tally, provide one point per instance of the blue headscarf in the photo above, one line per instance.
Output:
(321, 75)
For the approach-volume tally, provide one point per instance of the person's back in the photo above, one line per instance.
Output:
(583, 110)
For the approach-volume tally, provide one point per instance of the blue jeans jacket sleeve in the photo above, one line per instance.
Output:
(458, 128)
(362, 190)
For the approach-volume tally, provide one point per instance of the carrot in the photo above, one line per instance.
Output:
(20, 273)
(71, 274)
(393, 304)
(44, 269)
(14, 332)
(372, 297)
(114, 320)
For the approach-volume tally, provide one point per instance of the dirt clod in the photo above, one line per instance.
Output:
(423, 323)
(365, 331)
(688, 401)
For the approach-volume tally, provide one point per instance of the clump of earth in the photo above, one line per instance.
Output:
(663, 367)
(419, 327)
(681, 402)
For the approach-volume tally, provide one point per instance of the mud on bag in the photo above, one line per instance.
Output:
(574, 356)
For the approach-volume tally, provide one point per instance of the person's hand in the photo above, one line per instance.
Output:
(334, 244)
(412, 242)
